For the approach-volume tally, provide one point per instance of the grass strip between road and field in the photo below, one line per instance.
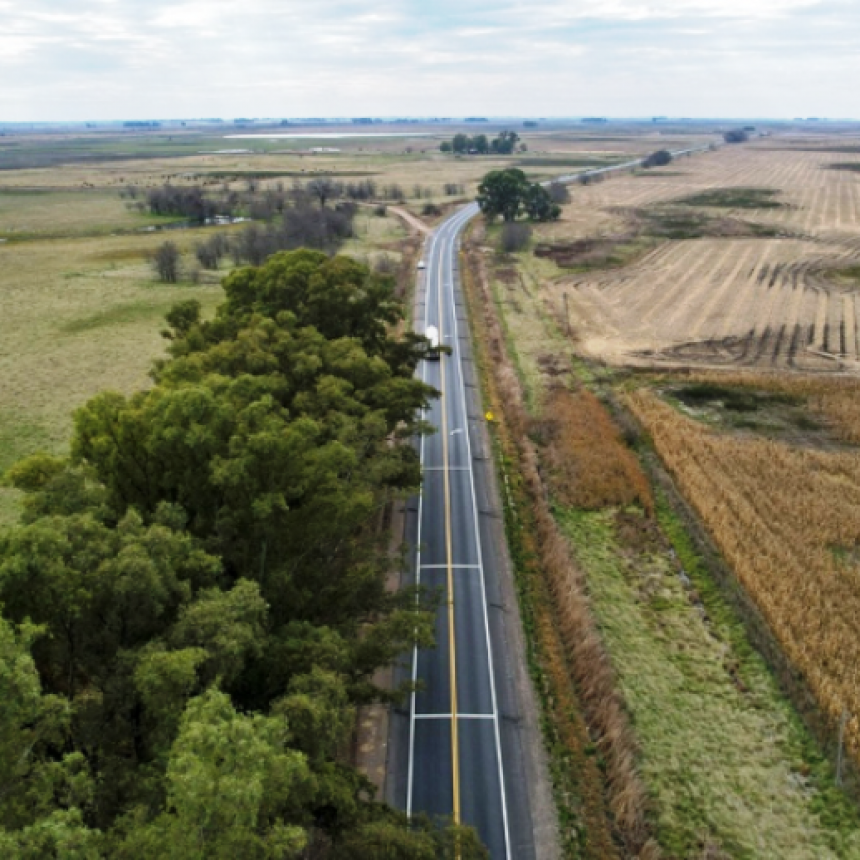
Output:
(577, 763)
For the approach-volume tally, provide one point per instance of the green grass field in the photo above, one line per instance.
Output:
(62, 213)
(723, 753)
(79, 316)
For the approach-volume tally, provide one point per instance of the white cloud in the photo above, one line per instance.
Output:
(161, 58)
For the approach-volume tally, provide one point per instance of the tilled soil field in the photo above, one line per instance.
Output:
(725, 299)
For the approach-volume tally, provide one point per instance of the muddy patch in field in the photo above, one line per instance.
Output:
(592, 252)
(681, 223)
(645, 228)
(758, 411)
(735, 198)
(553, 365)
(782, 347)
(120, 255)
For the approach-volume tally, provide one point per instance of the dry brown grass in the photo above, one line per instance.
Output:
(787, 521)
(589, 465)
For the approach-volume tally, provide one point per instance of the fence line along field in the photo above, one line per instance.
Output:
(742, 257)
(787, 520)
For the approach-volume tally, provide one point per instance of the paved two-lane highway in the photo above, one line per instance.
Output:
(465, 756)
(456, 764)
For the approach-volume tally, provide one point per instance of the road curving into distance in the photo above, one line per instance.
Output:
(459, 752)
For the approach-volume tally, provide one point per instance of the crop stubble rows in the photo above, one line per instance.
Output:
(762, 301)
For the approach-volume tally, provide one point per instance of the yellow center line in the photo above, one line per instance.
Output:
(449, 557)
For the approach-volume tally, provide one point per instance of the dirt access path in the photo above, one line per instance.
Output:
(412, 220)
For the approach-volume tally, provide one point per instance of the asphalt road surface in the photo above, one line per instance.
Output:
(462, 757)
(455, 762)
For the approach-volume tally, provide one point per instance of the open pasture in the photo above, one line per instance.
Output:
(78, 316)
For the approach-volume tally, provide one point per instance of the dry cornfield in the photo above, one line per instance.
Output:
(787, 520)
(764, 301)
(588, 464)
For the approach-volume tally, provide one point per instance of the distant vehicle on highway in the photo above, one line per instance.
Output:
(422, 264)
(432, 334)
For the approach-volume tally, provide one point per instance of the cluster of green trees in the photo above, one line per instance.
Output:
(193, 604)
(505, 143)
(660, 158)
(509, 194)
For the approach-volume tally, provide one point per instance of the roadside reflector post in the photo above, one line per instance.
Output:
(566, 315)
(839, 752)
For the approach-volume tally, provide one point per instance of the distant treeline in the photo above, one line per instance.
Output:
(297, 225)
(737, 135)
(202, 203)
(190, 202)
(504, 144)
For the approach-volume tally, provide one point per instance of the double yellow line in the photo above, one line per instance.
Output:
(449, 557)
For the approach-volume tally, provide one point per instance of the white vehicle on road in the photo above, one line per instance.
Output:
(422, 264)
(432, 334)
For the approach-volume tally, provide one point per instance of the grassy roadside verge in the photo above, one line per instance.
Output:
(580, 759)
(729, 768)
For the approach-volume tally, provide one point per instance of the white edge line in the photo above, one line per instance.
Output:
(455, 248)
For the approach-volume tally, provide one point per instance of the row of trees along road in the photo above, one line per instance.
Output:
(504, 144)
(193, 604)
(509, 194)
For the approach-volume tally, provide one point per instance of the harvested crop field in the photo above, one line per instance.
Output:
(712, 284)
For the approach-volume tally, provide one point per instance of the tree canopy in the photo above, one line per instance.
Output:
(193, 604)
(508, 193)
(660, 158)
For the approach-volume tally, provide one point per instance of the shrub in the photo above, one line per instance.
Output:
(210, 252)
(165, 261)
(515, 236)
(658, 159)
(558, 193)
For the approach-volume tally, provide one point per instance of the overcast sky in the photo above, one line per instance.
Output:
(145, 59)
